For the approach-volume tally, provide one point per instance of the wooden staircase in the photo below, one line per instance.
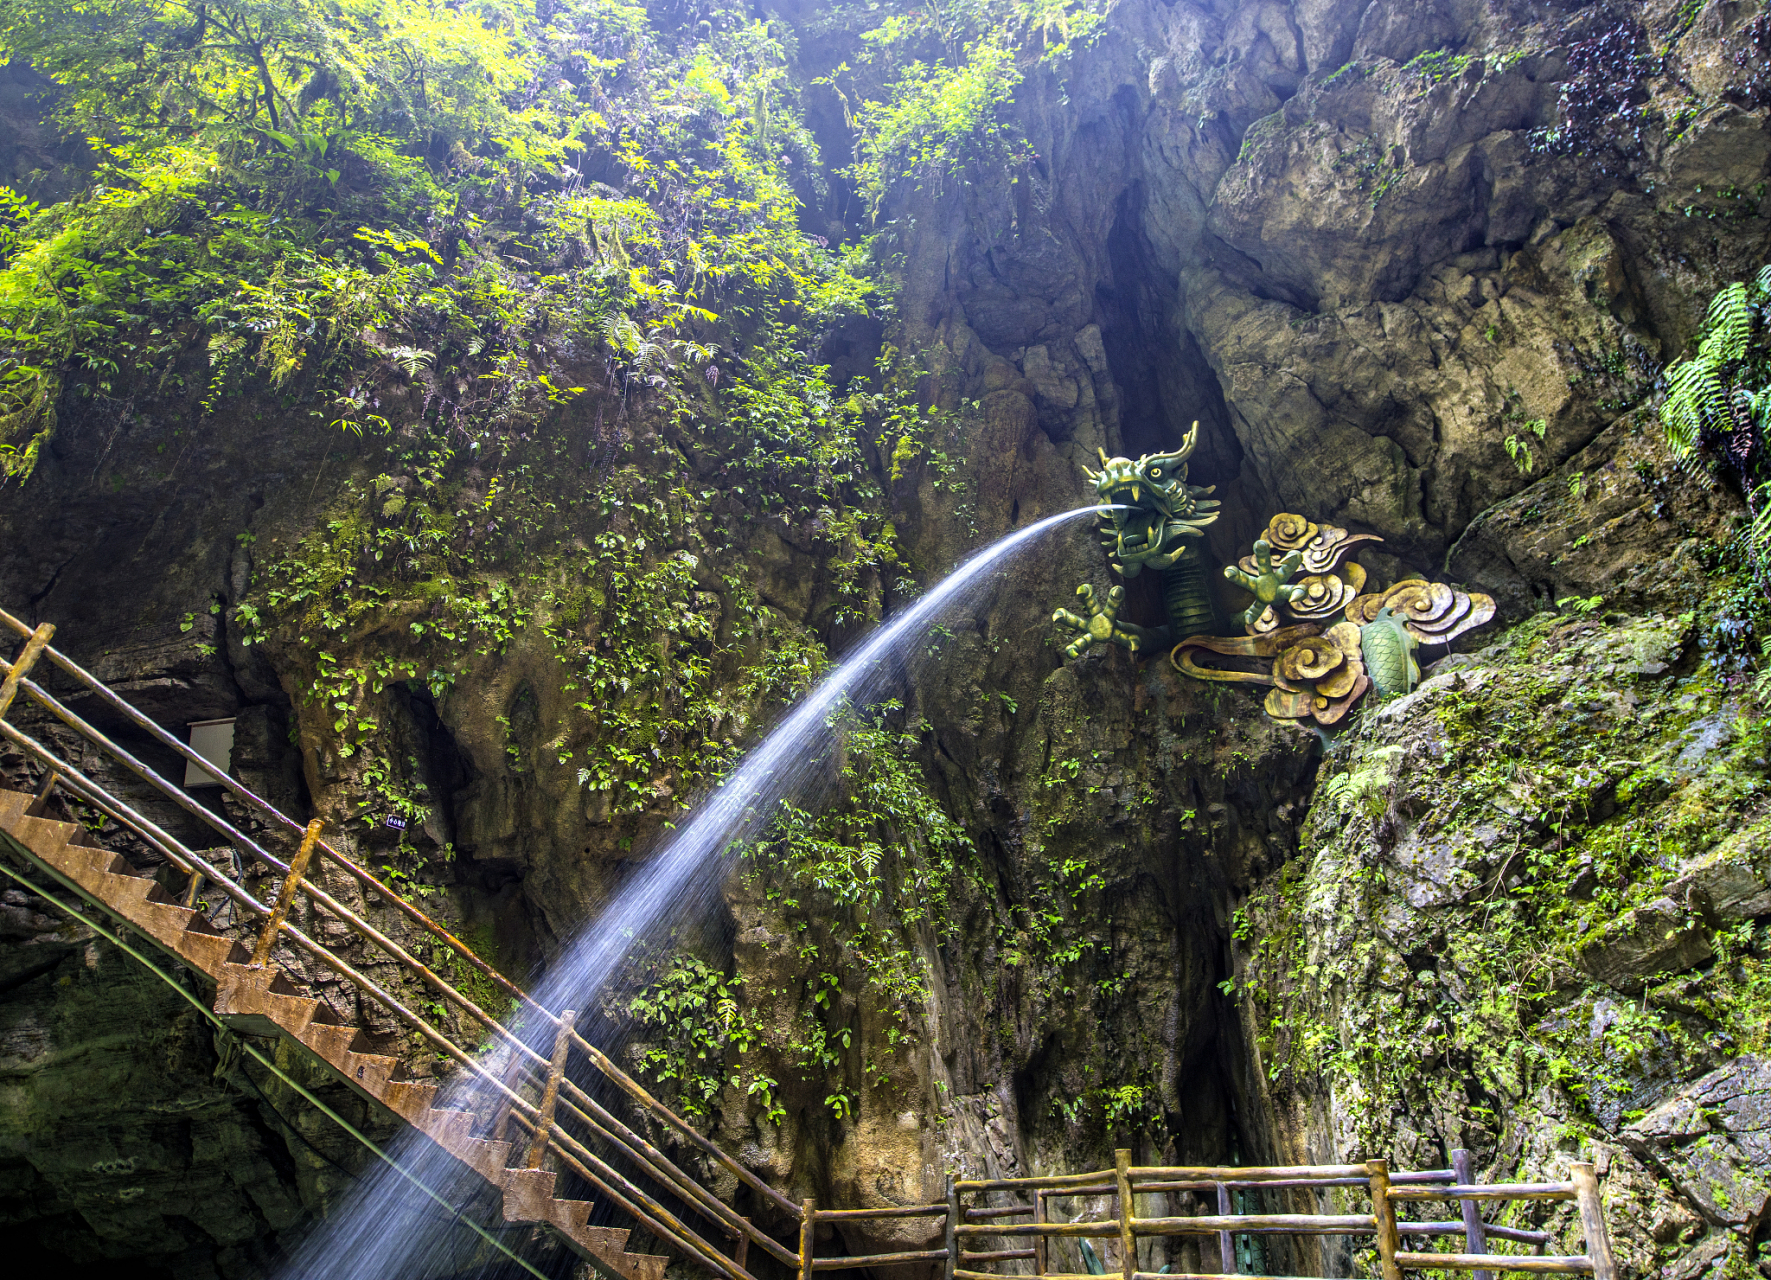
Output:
(263, 1001)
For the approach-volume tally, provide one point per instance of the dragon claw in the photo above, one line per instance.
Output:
(1102, 625)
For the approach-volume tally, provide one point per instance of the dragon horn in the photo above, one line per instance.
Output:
(1176, 461)
(1105, 460)
(1179, 457)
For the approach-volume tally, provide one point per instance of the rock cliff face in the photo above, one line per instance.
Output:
(1415, 268)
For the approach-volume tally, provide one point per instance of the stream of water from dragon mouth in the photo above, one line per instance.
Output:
(383, 1228)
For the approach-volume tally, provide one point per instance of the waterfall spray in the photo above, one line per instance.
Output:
(384, 1229)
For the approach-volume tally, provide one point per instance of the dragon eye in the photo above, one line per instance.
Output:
(1155, 472)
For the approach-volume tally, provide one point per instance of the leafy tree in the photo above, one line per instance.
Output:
(236, 73)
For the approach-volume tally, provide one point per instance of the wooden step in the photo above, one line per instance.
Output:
(92, 859)
(608, 1246)
(529, 1197)
(208, 948)
(331, 1042)
(448, 1127)
(483, 1156)
(370, 1072)
(243, 996)
(407, 1098)
(137, 898)
(46, 837)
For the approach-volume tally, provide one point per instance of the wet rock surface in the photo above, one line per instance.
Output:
(129, 1137)
(1350, 241)
(1714, 1140)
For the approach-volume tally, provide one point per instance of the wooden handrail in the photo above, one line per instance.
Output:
(186, 860)
(332, 906)
(1475, 1234)
(550, 1092)
(106, 695)
(1271, 1223)
(1578, 1264)
(1592, 1220)
(1487, 1191)
(1389, 1240)
(36, 642)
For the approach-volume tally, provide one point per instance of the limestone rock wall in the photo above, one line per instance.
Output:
(1365, 246)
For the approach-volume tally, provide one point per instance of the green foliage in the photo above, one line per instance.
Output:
(693, 1022)
(1580, 606)
(884, 858)
(937, 119)
(927, 96)
(1720, 396)
(858, 882)
(1700, 386)
(1438, 65)
(1518, 444)
(346, 207)
(305, 78)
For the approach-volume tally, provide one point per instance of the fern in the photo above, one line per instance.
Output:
(1700, 388)
(411, 360)
(1758, 533)
(1728, 326)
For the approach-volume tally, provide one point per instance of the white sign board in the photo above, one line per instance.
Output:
(214, 741)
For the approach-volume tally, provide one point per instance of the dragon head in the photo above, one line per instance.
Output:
(1153, 509)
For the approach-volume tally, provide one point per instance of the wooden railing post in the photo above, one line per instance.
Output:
(40, 801)
(550, 1092)
(1592, 1221)
(1463, 1172)
(27, 659)
(950, 1235)
(1128, 1244)
(297, 869)
(807, 1222)
(1226, 1241)
(1389, 1239)
(1038, 1241)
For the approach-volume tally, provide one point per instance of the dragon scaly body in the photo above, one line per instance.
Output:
(1388, 651)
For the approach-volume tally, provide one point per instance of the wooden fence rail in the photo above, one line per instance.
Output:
(1125, 1182)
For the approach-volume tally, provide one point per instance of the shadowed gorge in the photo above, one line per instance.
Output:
(504, 417)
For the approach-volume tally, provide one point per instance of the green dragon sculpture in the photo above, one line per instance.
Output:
(1151, 519)
(1319, 642)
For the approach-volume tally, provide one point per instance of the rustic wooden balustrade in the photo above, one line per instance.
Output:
(566, 1127)
(1126, 1182)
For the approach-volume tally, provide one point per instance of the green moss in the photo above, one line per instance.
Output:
(1559, 779)
(1438, 65)
(1259, 134)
